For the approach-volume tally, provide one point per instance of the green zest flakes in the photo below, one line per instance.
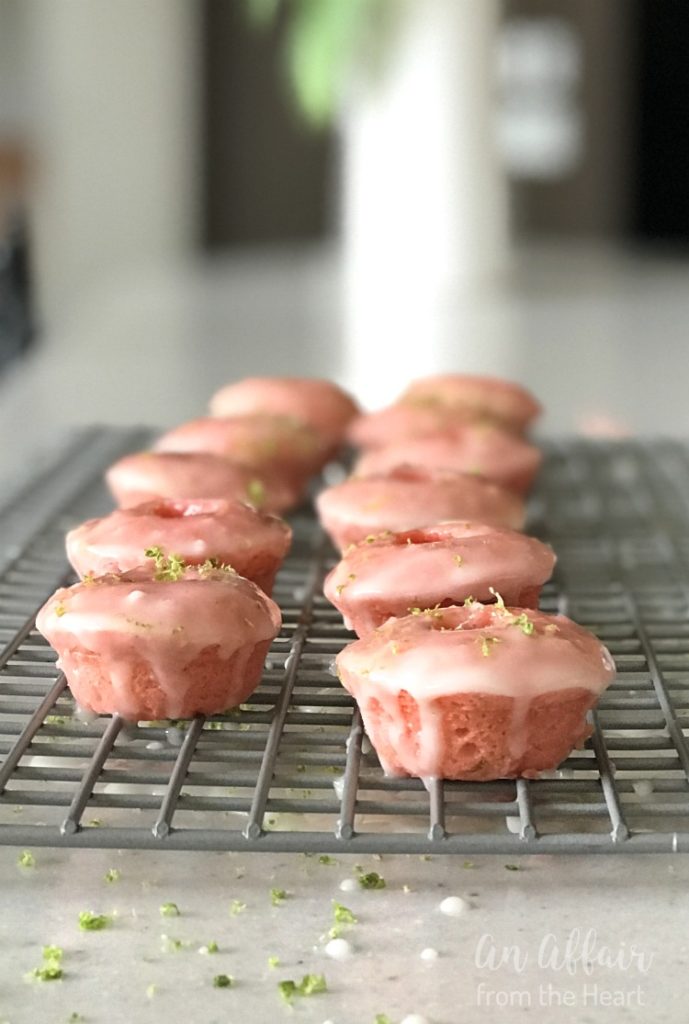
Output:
(112, 875)
(277, 896)
(210, 947)
(343, 915)
(310, 985)
(215, 565)
(50, 971)
(223, 981)
(26, 859)
(256, 493)
(341, 586)
(56, 720)
(169, 568)
(169, 910)
(487, 643)
(371, 880)
(325, 858)
(524, 623)
(237, 907)
(273, 962)
(51, 968)
(90, 922)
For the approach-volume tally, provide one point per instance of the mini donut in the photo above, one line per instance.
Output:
(487, 450)
(444, 564)
(477, 692)
(147, 476)
(269, 444)
(410, 497)
(229, 532)
(320, 403)
(192, 642)
(476, 397)
(400, 423)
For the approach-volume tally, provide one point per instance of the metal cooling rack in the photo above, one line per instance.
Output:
(292, 770)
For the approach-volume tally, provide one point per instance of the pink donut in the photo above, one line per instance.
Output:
(500, 400)
(471, 448)
(320, 403)
(478, 692)
(161, 648)
(399, 423)
(229, 532)
(440, 565)
(147, 476)
(269, 444)
(410, 497)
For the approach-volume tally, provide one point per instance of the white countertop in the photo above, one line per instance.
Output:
(583, 926)
(593, 334)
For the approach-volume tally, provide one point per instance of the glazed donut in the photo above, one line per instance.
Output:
(147, 476)
(445, 564)
(475, 693)
(269, 444)
(476, 397)
(471, 448)
(411, 497)
(229, 532)
(319, 403)
(189, 641)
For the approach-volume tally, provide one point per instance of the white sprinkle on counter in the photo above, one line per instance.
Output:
(414, 1018)
(348, 885)
(453, 906)
(338, 949)
(429, 954)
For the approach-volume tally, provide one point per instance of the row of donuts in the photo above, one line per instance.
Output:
(172, 616)
(457, 673)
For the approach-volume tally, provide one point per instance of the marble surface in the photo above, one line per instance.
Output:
(601, 337)
(559, 939)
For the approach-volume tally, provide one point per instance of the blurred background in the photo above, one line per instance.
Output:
(364, 189)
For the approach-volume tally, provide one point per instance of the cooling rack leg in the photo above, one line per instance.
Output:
(163, 822)
(345, 823)
(83, 793)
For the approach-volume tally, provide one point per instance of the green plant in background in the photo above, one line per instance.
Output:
(323, 40)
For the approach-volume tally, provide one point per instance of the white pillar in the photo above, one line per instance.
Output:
(424, 194)
(114, 133)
